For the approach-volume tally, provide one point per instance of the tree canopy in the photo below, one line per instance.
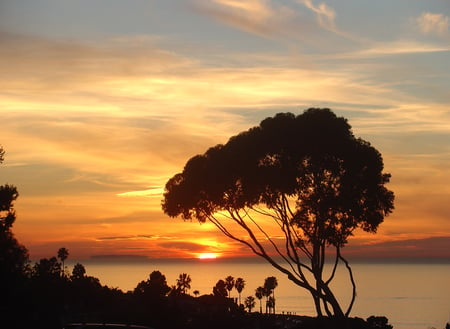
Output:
(307, 173)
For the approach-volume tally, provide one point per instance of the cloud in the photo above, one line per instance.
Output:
(430, 23)
(325, 14)
(118, 258)
(135, 237)
(259, 17)
(158, 191)
(184, 246)
(419, 249)
(397, 48)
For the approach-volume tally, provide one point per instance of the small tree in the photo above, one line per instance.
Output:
(183, 283)
(307, 174)
(47, 268)
(250, 303)
(63, 254)
(78, 272)
(220, 289)
(155, 286)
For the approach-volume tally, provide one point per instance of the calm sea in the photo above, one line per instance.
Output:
(411, 296)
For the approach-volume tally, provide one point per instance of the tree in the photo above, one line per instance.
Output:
(249, 303)
(229, 283)
(78, 272)
(14, 257)
(270, 283)
(239, 284)
(183, 283)
(156, 285)
(220, 289)
(8, 194)
(259, 293)
(47, 268)
(307, 174)
(63, 253)
(14, 262)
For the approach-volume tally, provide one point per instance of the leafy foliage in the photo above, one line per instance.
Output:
(307, 173)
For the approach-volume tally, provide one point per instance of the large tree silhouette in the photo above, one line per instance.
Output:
(293, 188)
(14, 260)
(13, 256)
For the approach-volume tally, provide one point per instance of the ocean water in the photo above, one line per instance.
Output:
(411, 296)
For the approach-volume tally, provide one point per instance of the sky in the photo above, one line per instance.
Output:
(103, 101)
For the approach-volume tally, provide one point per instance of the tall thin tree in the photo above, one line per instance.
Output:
(259, 293)
(229, 282)
(270, 284)
(63, 254)
(239, 284)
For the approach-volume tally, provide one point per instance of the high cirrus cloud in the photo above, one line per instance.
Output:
(430, 23)
(325, 14)
(259, 17)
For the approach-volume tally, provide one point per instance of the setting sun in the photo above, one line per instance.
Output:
(207, 255)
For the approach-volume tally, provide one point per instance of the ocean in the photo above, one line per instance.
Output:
(411, 296)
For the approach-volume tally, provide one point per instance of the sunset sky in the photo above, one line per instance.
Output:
(102, 101)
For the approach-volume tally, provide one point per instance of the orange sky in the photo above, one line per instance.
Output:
(99, 111)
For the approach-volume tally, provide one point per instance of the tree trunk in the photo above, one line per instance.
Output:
(331, 299)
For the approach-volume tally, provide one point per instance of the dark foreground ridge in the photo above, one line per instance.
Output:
(257, 321)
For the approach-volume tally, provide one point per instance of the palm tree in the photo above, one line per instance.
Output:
(63, 253)
(267, 293)
(239, 284)
(183, 283)
(270, 284)
(259, 293)
(229, 282)
(250, 303)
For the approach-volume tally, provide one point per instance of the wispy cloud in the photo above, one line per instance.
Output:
(144, 193)
(431, 23)
(324, 13)
(399, 48)
(261, 17)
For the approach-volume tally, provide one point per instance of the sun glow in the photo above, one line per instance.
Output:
(207, 255)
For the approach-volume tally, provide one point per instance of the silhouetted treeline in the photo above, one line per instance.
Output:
(46, 295)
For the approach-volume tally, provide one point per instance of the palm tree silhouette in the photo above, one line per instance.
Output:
(259, 293)
(183, 283)
(239, 284)
(250, 303)
(270, 284)
(229, 282)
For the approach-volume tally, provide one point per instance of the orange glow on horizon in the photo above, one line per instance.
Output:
(208, 255)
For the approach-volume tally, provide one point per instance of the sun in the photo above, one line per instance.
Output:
(207, 255)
